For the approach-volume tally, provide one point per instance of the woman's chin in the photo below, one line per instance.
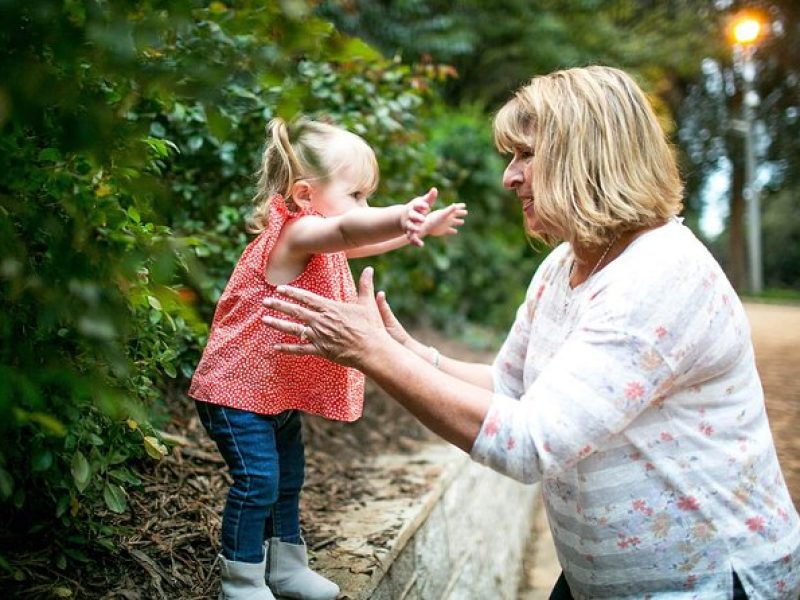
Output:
(532, 223)
(535, 228)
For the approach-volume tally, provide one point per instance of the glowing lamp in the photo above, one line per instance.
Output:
(746, 30)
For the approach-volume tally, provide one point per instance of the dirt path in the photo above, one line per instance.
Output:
(776, 338)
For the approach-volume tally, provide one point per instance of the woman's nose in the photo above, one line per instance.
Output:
(512, 176)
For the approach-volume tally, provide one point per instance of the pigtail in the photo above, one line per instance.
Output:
(279, 169)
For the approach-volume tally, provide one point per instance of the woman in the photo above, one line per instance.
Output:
(627, 383)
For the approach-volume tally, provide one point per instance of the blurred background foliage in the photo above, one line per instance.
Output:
(129, 135)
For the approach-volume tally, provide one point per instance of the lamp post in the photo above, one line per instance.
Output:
(747, 30)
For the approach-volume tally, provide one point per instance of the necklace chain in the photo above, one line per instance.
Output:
(596, 265)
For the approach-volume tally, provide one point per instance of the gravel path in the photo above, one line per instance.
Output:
(776, 337)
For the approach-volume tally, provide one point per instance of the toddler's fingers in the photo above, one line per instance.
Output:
(422, 207)
(431, 196)
(415, 240)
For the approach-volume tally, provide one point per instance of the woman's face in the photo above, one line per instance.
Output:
(517, 177)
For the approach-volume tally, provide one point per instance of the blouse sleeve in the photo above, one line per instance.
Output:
(509, 362)
(635, 343)
(596, 384)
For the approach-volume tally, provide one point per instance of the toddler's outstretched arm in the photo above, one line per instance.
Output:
(444, 221)
(355, 228)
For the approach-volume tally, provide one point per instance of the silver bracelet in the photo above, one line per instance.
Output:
(437, 356)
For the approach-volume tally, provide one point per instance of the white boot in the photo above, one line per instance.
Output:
(289, 576)
(243, 581)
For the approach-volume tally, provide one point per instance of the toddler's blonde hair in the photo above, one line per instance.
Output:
(309, 150)
(601, 162)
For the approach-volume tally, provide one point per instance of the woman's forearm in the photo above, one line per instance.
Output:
(479, 374)
(452, 407)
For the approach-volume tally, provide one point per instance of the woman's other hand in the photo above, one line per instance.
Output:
(390, 322)
(339, 331)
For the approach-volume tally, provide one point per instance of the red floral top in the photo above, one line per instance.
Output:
(240, 367)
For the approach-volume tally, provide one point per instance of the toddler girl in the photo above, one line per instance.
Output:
(310, 215)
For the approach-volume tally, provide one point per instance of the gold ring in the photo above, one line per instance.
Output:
(303, 334)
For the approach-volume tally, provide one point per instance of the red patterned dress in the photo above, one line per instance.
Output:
(240, 367)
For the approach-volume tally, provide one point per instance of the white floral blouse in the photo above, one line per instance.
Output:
(634, 398)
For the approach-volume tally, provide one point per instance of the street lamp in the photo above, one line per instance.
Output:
(747, 30)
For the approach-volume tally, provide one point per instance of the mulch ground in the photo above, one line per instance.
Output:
(174, 520)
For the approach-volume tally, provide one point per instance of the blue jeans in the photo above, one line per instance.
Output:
(265, 457)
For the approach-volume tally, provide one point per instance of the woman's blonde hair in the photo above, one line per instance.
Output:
(601, 162)
(309, 150)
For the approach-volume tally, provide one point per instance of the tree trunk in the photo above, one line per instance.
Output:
(737, 260)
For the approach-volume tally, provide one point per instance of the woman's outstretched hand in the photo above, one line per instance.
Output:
(340, 331)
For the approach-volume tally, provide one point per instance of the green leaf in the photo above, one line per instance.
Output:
(355, 48)
(95, 439)
(169, 369)
(107, 543)
(157, 129)
(125, 476)
(115, 498)
(42, 460)
(80, 471)
(49, 155)
(154, 448)
(6, 484)
(134, 214)
(62, 591)
(116, 457)
(217, 8)
(154, 302)
(49, 423)
(77, 554)
(218, 124)
(195, 143)
(62, 506)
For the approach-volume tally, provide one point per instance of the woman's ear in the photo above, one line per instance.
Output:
(301, 193)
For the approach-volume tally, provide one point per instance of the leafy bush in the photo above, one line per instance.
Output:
(129, 137)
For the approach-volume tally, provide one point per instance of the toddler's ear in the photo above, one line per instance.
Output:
(301, 193)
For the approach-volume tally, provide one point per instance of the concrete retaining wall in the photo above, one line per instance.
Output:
(461, 540)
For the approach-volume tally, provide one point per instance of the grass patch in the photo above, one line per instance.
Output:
(774, 296)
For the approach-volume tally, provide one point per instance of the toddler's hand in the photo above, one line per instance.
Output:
(414, 216)
(444, 221)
